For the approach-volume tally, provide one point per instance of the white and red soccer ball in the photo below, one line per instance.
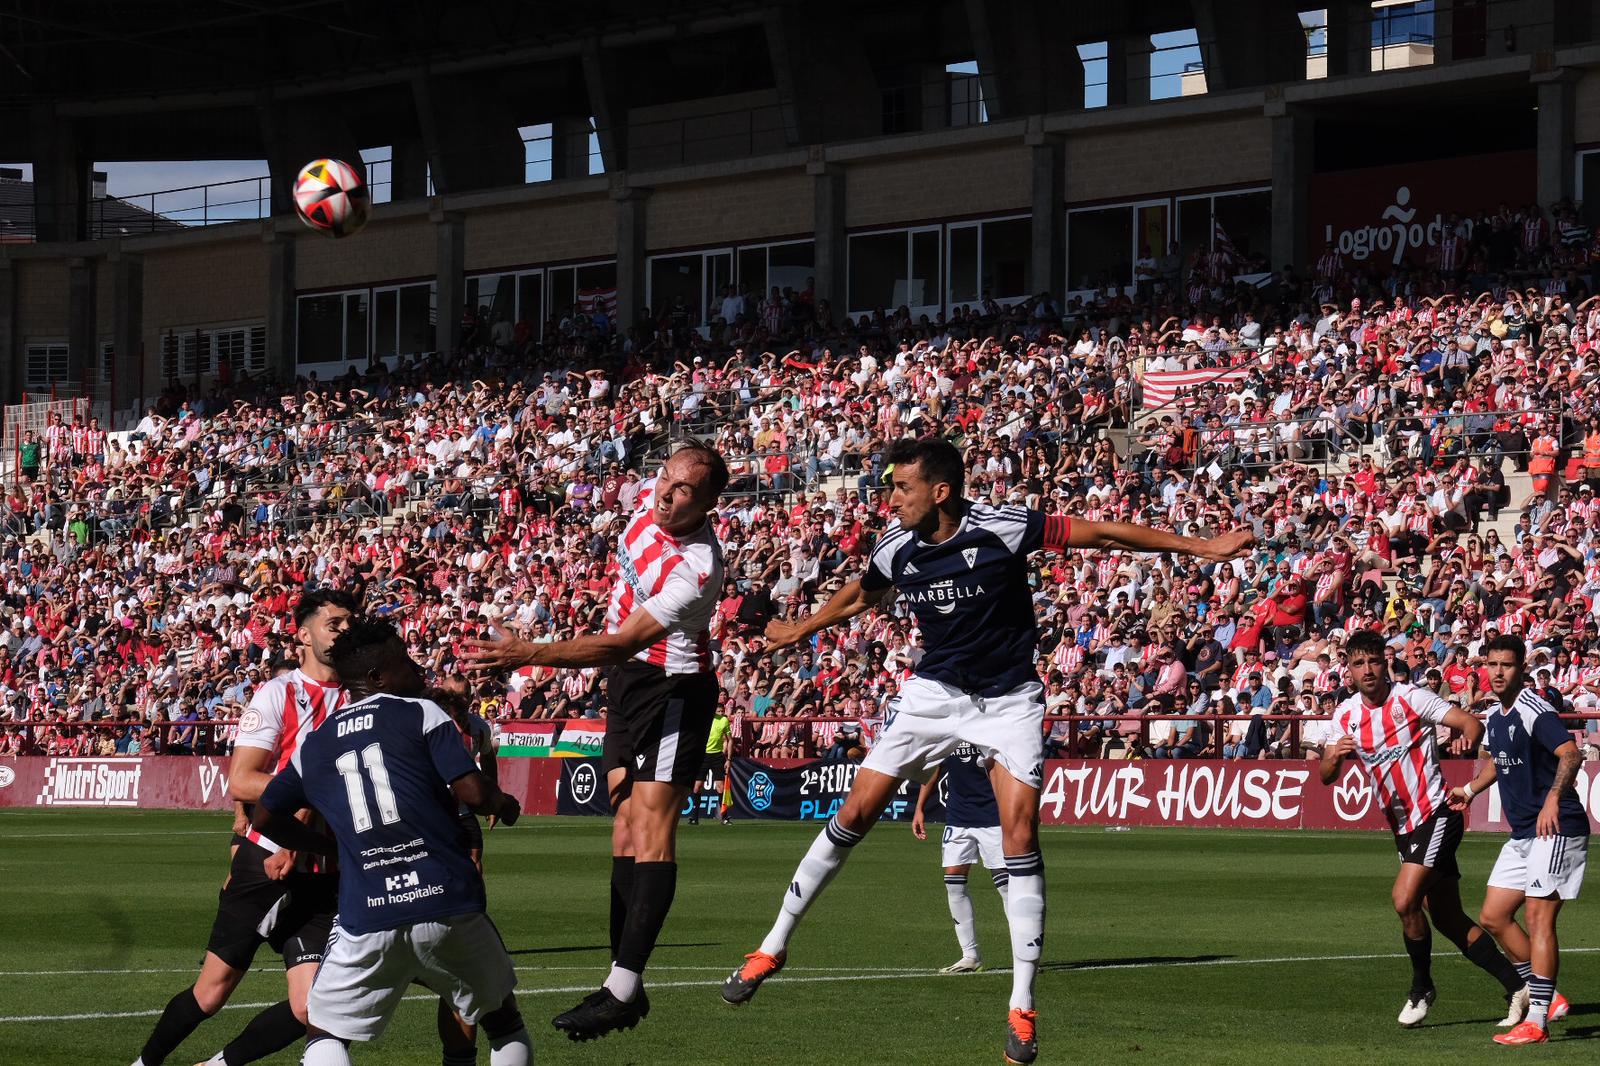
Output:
(331, 197)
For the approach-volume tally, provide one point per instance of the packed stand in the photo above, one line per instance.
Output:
(1361, 418)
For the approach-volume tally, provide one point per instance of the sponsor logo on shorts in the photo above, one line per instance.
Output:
(91, 783)
(1352, 796)
(7, 775)
(584, 783)
(760, 791)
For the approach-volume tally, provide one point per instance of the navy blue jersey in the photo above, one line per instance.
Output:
(970, 596)
(969, 797)
(1523, 741)
(379, 772)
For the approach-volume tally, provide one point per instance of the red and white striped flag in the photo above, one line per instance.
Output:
(1160, 386)
(1222, 245)
(589, 299)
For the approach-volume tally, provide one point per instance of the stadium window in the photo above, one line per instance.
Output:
(894, 269)
(1314, 25)
(697, 278)
(1104, 242)
(1245, 217)
(571, 285)
(355, 324)
(492, 295)
(989, 259)
(331, 327)
(403, 318)
(379, 165)
(966, 94)
(1176, 65)
(1096, 72)
(787, 265)
(1402, 23)
(44, 365)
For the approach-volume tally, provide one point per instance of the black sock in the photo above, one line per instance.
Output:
(181, 1017)
(1421, 952)
(654, 884)
(1486, 956)
(621, 893)
(268, 1032)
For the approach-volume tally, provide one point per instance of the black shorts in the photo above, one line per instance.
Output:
(292, 915)
(658, 723)
(471, 832)
(1433, 843)
(713, 763)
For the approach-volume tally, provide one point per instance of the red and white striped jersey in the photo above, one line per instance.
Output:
(676, 579)
(281, 713)
(1396, 744)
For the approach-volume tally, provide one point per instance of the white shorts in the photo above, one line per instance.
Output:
(928, 719)
(1542, 866)
(965, 845)
(363, 977)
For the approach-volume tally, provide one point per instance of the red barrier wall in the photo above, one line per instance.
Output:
(1147, 792)
(195, 782)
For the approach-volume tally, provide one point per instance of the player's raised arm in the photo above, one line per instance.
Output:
(1085, 534)
(506, 652)
(844, 605)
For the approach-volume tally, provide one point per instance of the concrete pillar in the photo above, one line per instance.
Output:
(632, 213)
(1246, 43)
(832, 248)
(294, 134)
(471, 138)
(569, 147)
(282, 342)
(1291, 172)
(10, 352)
(82, 339)
(1557, 106)
(608, 104)
(408, 170)
(1349, 37)
(60, 178)
(1049, 164)
(1027, 56)
(826, 86)
(931, 98)
(1128, 70)
(450, 270)
(127, 332)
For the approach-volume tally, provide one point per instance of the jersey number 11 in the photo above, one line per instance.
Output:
(355, 790)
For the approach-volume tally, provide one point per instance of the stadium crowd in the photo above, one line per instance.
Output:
(1361, 417)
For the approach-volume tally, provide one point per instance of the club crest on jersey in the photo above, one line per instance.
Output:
(970, 555)
(1397, 715)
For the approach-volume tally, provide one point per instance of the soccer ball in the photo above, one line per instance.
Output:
(331, 198)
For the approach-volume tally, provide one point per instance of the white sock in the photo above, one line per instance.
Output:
(1002, 883)
(219, 1059)
(955, 890)
(624, 984)
(513, 1050)
(822, 861)
(326, 1051)
(1541, 990)
(1025, 916)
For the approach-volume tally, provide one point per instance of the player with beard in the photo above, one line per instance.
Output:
(1535, 761)
(271, 895)
(1390, 728)
(962, 569)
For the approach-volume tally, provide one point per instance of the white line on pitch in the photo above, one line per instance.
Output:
(816, 979)
(597, 968)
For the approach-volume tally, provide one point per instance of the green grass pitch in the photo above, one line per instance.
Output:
(1178, 945)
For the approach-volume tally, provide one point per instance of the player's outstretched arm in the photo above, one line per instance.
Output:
(598, 649)
(1460, 798)
(1231, 545)
(842, 606)
(1470, 728)
(482, 796)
